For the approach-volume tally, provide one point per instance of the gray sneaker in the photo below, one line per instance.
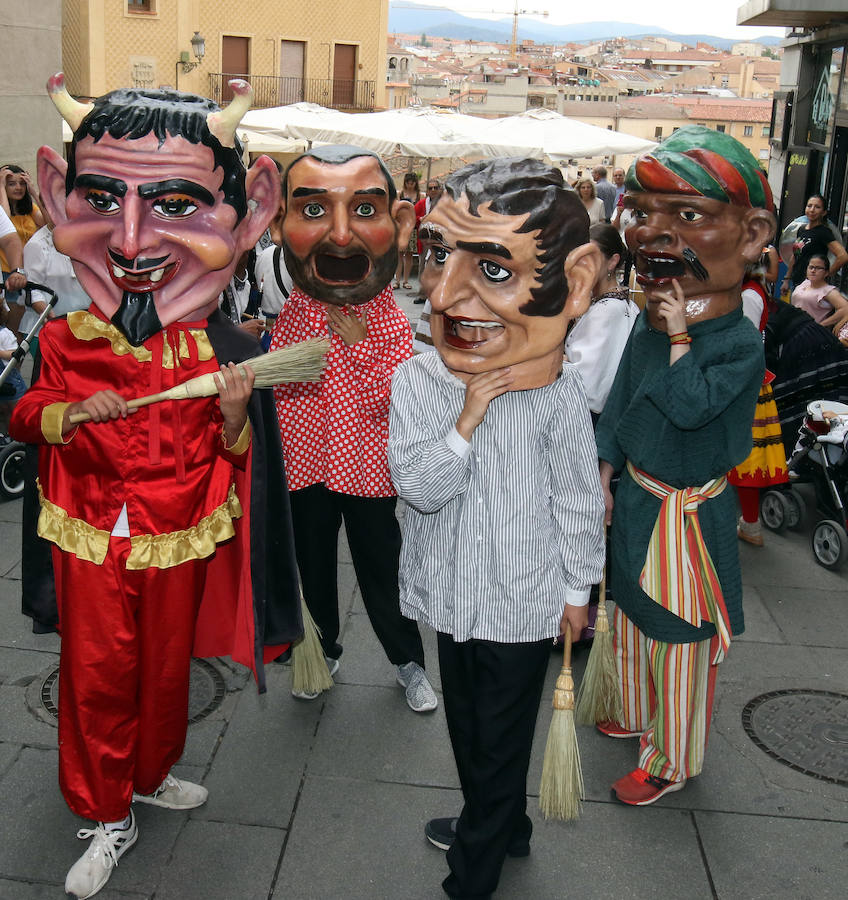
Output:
(419, 694)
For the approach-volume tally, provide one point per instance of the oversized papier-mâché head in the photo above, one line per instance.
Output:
(703, 212)
(154, 206)
(343, 224)
(508, 264)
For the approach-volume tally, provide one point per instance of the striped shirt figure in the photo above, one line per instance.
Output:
(491, 446)
(502, 530)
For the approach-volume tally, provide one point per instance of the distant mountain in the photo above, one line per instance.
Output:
(447, 24)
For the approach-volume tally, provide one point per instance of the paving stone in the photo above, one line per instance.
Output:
(257, 769)
(804, 861)
(218, 861)
(29, 792)
(804, 614)
(380, 738)
(325, 849)
(11, 510)
(8, 754)
(786, 561)
(16, 628)
(20, 667)
(364, 660)
(10, 545)
(18, 724)
(760, 622)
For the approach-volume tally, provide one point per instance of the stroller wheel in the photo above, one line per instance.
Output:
(779, 510)
(830, 544)
(12, 470)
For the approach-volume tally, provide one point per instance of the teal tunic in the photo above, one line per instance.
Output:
(683, 424)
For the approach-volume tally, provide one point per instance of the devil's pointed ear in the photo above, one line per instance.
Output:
(51, 171)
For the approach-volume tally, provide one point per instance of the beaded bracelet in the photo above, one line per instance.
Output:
(681, 337)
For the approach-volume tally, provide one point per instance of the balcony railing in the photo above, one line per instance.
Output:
(271, 90)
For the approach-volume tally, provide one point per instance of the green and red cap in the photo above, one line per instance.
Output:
(701, 162)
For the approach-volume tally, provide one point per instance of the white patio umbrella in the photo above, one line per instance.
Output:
(413, 131)
(546, 133)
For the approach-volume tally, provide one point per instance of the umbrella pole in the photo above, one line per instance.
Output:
(429, 165)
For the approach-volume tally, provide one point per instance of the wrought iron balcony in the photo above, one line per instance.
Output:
(271, 90)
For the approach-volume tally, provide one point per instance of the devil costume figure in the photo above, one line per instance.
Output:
(170, 527)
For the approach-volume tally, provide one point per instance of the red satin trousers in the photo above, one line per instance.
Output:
(123, 679)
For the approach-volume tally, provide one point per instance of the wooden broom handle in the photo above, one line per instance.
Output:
(79, 418)
(566, 652)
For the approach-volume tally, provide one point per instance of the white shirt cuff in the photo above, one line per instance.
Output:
(457, 443)
(577, 596)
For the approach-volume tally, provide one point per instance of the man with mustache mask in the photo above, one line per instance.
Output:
(677, 419)
(343, 226)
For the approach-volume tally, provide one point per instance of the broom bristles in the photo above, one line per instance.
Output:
(299, 362)
(561, 789)
(599, 697)
(309, 667)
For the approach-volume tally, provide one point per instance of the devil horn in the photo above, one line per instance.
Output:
(72, 111)
(223, 123)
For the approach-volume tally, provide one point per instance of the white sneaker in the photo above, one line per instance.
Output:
(332, 667)
(92, 870)
(419, 694)
(174, 794)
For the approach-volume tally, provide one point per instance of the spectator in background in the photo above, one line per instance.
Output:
(618, 181)
(815, 237)
(422, 208)
(585, 188)
(411, 191)
(11, 250)
(16, 199)
(598, 338)
(46, 265)
(605, 191)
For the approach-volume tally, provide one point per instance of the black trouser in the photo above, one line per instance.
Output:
(491, 696)
(373, 535)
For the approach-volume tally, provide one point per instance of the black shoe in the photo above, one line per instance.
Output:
(441, 833)
(420, 300)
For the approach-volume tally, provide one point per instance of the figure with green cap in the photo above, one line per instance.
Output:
(677, 419)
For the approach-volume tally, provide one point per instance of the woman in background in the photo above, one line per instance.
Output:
(585, 188)
(411, 191)
(597, 340)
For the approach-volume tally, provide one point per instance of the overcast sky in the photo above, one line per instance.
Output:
(678, 16)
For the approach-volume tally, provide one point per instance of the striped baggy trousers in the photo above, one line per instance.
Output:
(667, 694)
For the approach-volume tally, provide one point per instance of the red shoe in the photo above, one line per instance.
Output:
(614, 730)
(640, 788)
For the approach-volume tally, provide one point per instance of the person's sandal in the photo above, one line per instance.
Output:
(407, 286)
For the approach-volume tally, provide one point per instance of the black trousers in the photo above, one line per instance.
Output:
(491, 697)
(373, 535)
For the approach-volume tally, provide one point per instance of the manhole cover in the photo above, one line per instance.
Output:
(805, 730)
(206, 691)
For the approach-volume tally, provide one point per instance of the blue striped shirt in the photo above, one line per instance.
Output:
(502, 532)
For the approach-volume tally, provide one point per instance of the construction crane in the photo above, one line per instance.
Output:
(516, 12)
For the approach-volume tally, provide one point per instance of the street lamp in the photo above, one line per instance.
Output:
(198, 48)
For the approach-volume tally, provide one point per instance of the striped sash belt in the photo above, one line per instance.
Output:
(678, 572)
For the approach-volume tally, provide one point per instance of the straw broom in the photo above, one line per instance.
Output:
(309, 668)
(561, 789)
(599, 697)
(300, 362)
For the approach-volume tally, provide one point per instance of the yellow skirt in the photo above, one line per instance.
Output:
(766, 463)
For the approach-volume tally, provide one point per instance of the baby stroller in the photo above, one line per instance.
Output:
(13, 453)
(820, 458)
